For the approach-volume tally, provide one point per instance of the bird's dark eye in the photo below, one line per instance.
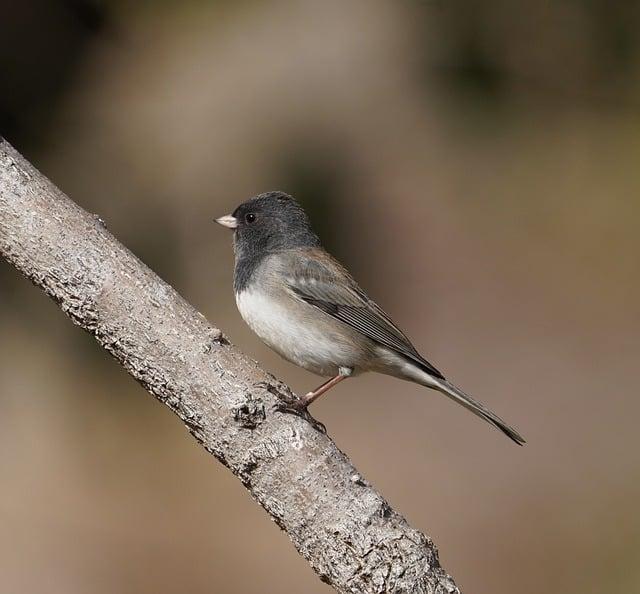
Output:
(249, 218)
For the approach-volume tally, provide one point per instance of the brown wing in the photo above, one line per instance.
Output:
(318, 279)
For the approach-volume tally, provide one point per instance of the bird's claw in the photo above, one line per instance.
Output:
(289, 403)
(299, 409)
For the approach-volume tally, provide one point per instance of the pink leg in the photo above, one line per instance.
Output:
(320, 390)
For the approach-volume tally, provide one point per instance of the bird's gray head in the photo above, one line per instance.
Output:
(269, 223)
(266, 224)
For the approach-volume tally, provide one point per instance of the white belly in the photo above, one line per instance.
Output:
(298, 333)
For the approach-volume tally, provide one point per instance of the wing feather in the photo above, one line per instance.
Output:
(322, 282)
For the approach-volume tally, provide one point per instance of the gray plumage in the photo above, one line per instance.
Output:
(303, 304)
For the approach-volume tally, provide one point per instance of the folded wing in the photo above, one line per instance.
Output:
(322, 282)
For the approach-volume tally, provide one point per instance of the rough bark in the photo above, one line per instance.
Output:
(337, 521)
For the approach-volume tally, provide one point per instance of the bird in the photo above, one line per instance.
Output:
(304, 304)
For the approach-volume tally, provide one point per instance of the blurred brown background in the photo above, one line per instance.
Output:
(475, 164)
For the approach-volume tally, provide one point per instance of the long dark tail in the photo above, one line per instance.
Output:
(456, 394)
(421, 372)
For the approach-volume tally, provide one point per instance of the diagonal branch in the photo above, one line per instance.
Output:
(337, 521)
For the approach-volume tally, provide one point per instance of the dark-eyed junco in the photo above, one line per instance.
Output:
(303, 304)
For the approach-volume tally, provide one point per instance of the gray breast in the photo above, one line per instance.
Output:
(299, 332)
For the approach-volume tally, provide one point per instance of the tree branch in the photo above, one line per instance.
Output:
(337, 521)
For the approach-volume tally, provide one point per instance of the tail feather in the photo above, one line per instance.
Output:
(456, 394)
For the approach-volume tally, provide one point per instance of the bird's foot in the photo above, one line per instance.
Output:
(299, 408)
(289, 403)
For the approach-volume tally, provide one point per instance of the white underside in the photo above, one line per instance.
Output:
(298, 334)
(390, 363)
